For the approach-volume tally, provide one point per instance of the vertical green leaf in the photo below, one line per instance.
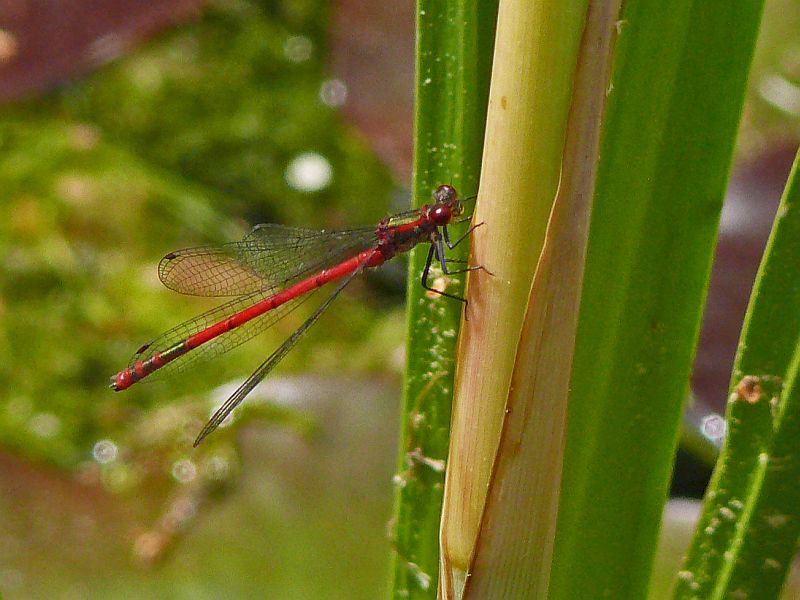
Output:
(669, 131)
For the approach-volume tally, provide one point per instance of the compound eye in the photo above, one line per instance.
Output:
(445, 193)
(441, 215)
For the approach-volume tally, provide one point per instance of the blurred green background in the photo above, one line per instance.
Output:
(230, 118)
(185, 135)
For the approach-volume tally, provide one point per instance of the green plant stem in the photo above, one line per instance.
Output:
(454, 46)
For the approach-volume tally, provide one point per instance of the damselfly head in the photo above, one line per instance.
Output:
(446, 207)
(446, 195)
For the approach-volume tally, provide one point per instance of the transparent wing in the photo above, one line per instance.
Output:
(268, 258)
(220, 344)
(266, 367)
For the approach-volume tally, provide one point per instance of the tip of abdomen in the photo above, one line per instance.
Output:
(120, 381)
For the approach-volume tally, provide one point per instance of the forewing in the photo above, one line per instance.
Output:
(208, 271)
(283, 255)
(270, 257)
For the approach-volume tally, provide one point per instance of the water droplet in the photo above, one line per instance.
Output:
(105, 451)
(713, 427)
(309, 172)
(184, 470)
(333, 92)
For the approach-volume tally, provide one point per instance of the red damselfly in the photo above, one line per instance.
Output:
(270, 273)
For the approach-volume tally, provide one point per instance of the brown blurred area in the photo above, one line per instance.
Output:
(372, 47)
(45, 43)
